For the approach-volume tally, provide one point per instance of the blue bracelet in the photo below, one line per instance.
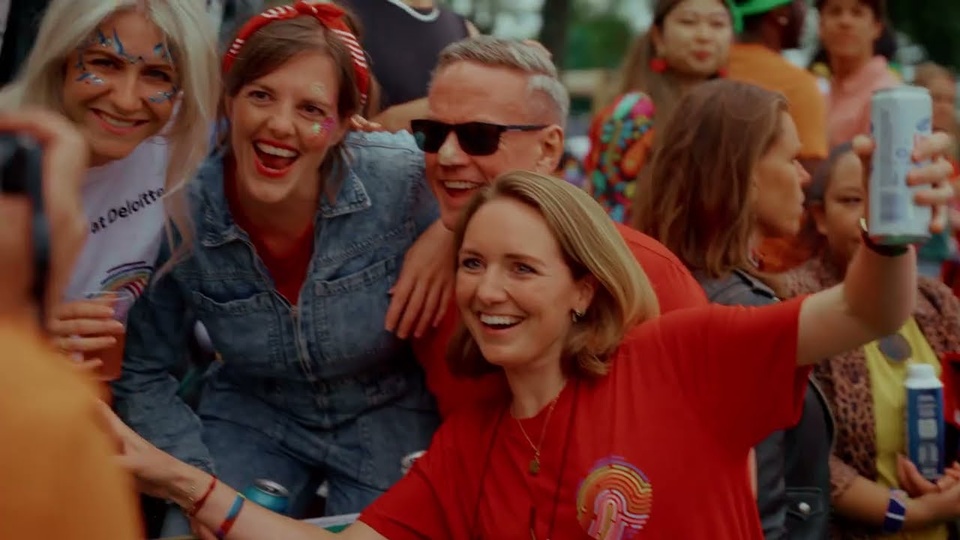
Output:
(231, 516)
(896, 511)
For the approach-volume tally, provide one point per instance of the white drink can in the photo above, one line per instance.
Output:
(898, 117)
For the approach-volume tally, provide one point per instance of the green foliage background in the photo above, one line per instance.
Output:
(934, 24)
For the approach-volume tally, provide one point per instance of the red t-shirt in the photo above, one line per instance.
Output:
(671, 281)
(653, 450)
(287, 265)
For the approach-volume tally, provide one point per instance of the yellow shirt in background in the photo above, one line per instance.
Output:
(887, 378)
(58, 477)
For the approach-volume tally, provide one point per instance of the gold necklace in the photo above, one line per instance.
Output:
(535, 462)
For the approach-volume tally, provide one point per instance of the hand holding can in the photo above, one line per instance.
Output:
(908, 176)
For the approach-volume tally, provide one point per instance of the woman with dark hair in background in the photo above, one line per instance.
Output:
(687, 44)
(864, 386)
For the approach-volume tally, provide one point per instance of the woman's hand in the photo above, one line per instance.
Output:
(916, 485)
(423, 291)
(83, 328)
(359, 123)
(934, 176)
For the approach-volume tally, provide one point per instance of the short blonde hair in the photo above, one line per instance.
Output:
(592, 248)
(192, 43)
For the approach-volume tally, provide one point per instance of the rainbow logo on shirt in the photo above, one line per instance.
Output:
(131, 277)
(614, 500)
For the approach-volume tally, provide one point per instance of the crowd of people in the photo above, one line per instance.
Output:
(395, 306)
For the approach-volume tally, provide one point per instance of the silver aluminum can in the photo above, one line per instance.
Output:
(406, 463)
(898, 117)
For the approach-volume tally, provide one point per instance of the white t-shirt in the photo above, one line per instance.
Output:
(122, 202)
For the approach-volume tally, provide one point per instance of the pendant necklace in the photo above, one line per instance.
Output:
(535, 462)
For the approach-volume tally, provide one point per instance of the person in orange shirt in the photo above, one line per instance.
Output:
(765, 28)
(58, 475)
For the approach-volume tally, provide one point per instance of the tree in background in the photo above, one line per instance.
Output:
(935, 26)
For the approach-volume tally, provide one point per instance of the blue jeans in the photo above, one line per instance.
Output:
(300, 458)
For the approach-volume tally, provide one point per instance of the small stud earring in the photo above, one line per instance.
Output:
(576, 315)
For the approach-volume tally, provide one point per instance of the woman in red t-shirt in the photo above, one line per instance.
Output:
(606, 434)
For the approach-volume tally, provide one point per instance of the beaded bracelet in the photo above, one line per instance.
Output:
(231, 516)
(195, 509)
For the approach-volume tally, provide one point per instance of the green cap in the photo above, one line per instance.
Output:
(746, 8)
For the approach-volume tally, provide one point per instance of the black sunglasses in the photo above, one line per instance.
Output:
(475, 138)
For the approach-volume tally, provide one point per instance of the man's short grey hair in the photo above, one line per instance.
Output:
(527, 58)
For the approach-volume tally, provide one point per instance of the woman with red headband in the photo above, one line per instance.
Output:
(301, 229)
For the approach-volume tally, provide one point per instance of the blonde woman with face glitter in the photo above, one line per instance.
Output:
(119, 71)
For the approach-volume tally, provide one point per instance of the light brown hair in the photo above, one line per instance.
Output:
(277, 43)
(696, 199)
(593, 249)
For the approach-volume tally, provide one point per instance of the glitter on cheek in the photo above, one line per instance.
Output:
(322, 128)
(164, 95)
(161, 51)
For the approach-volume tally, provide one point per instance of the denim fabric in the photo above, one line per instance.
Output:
(324, 386)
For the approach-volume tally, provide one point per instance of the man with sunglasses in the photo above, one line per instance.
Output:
(497, 105)
(54, 460)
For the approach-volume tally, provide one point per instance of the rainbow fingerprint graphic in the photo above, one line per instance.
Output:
(131, 277)
(614, 500)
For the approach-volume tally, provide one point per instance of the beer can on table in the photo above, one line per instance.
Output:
(898, 116)
(408, 460)
(269, 495)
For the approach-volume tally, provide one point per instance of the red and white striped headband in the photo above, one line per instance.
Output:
(329, 16)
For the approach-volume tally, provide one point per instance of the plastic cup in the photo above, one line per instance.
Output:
(112, 358)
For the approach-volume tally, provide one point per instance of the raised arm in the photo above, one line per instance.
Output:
(879, 291)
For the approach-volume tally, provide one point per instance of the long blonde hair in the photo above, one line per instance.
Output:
(592, 248)
(192, 42)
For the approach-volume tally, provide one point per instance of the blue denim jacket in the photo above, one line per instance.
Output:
(323, 363)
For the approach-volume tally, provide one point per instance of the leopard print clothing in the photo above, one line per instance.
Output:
(845, 382)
